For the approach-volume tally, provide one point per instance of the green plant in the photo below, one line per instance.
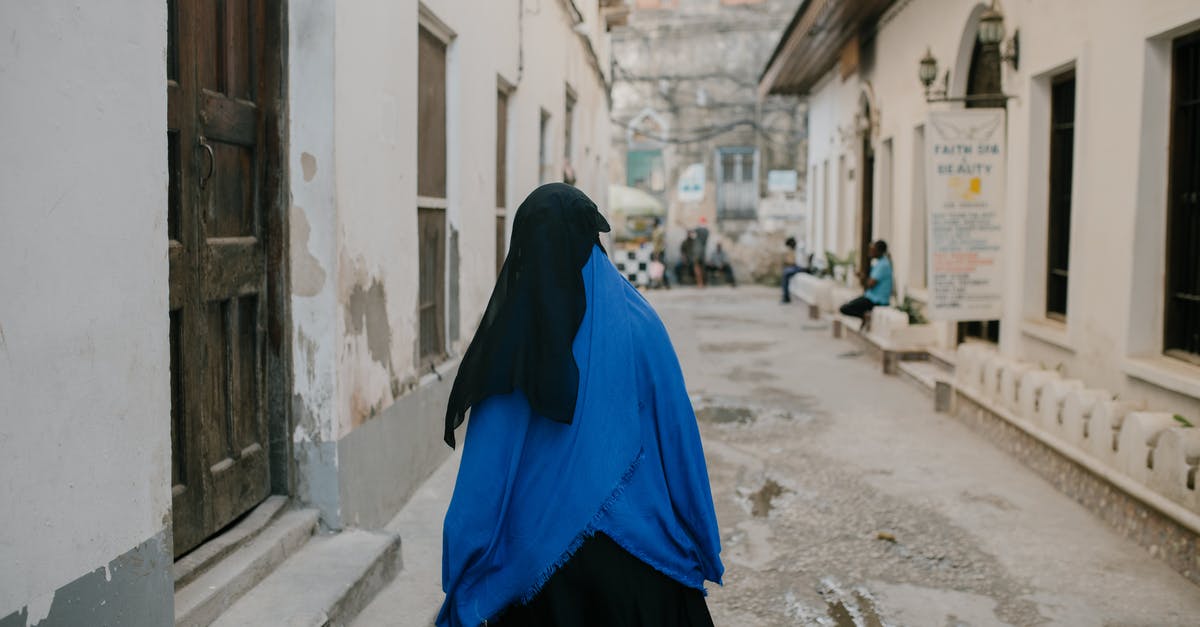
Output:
(1183, 421)
(911, 307)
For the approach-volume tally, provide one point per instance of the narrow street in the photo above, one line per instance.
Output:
(845, 500)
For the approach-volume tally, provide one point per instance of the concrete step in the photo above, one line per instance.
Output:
(211, 552)
(325, 584)
(200, 602)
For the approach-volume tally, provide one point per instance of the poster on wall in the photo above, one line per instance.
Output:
(964, 166)
(691, 184)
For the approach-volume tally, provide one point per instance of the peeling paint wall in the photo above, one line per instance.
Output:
(84, 358)
(354, 244)
(313, 252)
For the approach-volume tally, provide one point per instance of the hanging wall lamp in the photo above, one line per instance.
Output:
(991, 34)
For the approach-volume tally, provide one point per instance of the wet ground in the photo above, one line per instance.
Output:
(845, 500)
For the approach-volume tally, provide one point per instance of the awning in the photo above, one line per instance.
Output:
(813, 42)
(631, 201)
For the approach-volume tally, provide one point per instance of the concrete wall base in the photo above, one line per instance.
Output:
(134, 589)
(1130, 516)
(383, 461)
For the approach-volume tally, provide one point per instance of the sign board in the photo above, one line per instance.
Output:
(691, 184)
(781, 181)
(964, 170)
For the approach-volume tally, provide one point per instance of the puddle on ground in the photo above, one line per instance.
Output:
(760, 501)
(779, 405)
(854, 609)
(724, 415)
(734, 347)
(744, 375)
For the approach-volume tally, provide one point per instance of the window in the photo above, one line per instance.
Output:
(737, 183)
(545, 160)
(1058, 234)
(431, 193)
(1182, 320)
(644, 170)
(501, 174)
(568, 138)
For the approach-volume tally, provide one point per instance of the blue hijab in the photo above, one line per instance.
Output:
(629, 464)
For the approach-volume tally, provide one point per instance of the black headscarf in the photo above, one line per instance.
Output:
(524, 340)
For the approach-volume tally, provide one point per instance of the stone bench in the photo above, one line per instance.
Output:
(889, 335)
(814, 291)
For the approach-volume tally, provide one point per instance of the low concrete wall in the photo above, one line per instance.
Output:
(383, 461)
(1135, 469)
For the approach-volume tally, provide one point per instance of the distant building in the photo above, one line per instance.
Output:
(1100, 241)
(242, 247)
(688, 126)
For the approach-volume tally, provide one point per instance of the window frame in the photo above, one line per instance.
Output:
(432, 191)
(1175, 344)
(1059, 183)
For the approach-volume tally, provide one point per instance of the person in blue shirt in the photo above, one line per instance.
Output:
(878, 284)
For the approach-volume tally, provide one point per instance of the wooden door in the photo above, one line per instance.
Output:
(866, 209)
(218, 277)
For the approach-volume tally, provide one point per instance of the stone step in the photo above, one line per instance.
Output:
(206, 596)
(211, 552)
(325, 584)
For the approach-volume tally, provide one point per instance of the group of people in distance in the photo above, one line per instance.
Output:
(695, 265)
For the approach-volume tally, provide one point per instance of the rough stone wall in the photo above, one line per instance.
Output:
(696, 67)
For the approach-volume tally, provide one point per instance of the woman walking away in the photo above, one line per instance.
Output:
(582, 497)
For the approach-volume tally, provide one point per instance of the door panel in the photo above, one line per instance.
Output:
(218, 265)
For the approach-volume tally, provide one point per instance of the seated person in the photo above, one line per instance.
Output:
(790, 268)
(718, 262)
(878, 285)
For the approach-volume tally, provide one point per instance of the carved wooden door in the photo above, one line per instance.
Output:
(217, 160)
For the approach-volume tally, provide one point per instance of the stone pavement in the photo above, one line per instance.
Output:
(845, 500)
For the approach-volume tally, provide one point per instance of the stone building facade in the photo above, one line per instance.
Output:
(242, 246)
(1087, 244)
(685, 106)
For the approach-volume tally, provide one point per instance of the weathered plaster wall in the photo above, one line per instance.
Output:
(84, 365)
(1112, 337)
(697, 66)
(354, 219)
(313, 253)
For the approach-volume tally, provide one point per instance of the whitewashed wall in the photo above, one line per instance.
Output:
(353, 108)
(1119, 50)
(84, 364)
